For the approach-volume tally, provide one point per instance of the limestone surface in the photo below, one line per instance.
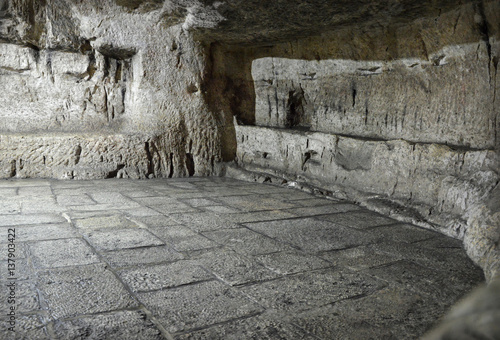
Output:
(300, 276)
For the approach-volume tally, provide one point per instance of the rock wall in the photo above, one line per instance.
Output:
(393, 105)
(403, 119)
(431, 101)
(95, 68)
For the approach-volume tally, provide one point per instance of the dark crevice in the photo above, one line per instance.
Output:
(307, 156)
(453, 147)
(119, 70)
(150, 159)
(92, 65)
(484, 32)
(78, 153)
(354, 96)
(171, 164)
(107, 66)
(190, 164)
(114, 173)
(294, 108)
(13, 169)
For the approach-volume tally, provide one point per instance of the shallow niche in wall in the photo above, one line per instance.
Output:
(116, 78)
(295, 114)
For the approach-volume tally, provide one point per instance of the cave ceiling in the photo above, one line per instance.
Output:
(246, 22)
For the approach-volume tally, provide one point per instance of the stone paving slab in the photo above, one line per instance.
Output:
(143, 255)
(27, 327)
(173, 208)
(291, 262)
(17, 220)
(254, 203)
(116, 325)
(62, 253)
(26, 297)
(8, 207)
(359, 219)
(418, 279)
(156, 277)
(246, 241)
(104, 223)
(324, 209)
(313, 289)
(360, 258)
(82, 290)
(312, 235)
(216, 258)
(233, 268)
(266, 326)
(69, 200)
(199, 305)
(402, 233)
(182, 238)
(123, 239)
(45, 232)
(204, 221)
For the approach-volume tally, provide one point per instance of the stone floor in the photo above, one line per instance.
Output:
(215, 258)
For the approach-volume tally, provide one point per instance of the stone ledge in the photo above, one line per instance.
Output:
(72, 156)
(431, 185)
(94, 156)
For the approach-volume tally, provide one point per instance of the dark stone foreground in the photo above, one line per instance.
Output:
(215, 258)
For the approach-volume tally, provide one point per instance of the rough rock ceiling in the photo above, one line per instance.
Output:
(264, 21)
(238, 21)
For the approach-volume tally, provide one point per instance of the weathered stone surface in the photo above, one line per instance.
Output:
(27, 327)
(14, 220)
(312, 235)
(123, 324)
(421, 280)
(265, 327)
(185, 308)
(83, 290)
(360, 258)
(95, 68)
(157, 277)
(45, 232)
(61, 253)
(26, 297)
(477, 314)
(409, 99)
(141, 256)
(233, 268)
(182, 238)
(400, 100)
(286, 263)
(366, 317)
(428, 177)
(301, 292)
(123, 239)
(102, 223)
(245, 241)
(211, 291)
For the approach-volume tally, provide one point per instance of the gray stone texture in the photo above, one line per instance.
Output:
(83, 290)
(96, 108)
(61, 253)
(272, 274)
(141, 256)
(118, 325)
(157, 277)
(123, 239)
(311, 235)
(185, 308)
(393, 106)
